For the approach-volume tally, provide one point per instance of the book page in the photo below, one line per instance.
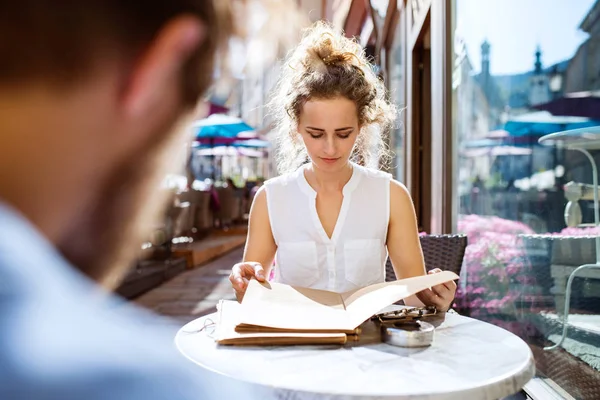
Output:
(282, 306)
(361, 304)
(229, 314)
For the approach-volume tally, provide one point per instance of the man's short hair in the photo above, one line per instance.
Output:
(59, 42)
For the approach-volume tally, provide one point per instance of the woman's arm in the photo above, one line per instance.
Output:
(404, 249)
(260, 244)
(260, 248)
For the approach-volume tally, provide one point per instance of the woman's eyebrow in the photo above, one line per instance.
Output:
(323, 130)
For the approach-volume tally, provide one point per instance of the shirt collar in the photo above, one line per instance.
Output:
(348, 187)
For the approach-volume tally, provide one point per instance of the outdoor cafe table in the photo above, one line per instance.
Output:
(468, 359)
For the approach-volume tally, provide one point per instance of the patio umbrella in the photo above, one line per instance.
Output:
(220, 126)
(497, 151)
(497, 134)
(253, 148)
(509, 160)
(482, 143)
(233, 142)
(252, 143)
(221, 129)
(229, 151)
(216, 109)
(540, 123)
(211, 139)
(526, 129)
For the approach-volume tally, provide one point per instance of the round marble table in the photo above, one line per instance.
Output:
(468, 359)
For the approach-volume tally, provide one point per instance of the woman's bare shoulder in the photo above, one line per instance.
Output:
(400, 199)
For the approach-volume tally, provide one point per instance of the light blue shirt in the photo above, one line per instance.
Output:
(60, 338)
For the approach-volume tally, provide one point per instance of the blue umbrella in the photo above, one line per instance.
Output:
(220, 126)
(542, 123)
(250, 143)
(254, 143)
(526, 129)
(476, 143)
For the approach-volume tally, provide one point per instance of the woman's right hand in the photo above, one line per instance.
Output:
(241, 274)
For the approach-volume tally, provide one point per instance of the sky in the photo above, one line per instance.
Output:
(514, 28)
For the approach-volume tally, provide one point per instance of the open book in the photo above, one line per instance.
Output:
(275, 313)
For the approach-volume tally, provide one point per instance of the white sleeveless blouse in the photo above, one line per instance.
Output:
(356, 254)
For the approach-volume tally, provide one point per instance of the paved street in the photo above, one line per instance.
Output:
(193, 293)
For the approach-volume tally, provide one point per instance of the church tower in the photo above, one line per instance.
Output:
(539, 83)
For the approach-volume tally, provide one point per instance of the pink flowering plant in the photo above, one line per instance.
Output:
(495, 271)
(499, 283)
(585, 231)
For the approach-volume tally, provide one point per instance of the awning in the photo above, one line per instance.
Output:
(579, 104)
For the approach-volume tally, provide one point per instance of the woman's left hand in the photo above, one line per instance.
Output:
(440, 296)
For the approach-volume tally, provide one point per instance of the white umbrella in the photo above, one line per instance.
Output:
(497, 151)
(229, 151)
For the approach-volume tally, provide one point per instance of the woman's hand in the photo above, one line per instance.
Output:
(241, 274)
(440, 296)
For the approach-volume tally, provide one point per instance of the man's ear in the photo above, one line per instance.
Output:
(154, 80)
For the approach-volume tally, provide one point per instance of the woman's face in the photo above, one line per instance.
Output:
(329, 129)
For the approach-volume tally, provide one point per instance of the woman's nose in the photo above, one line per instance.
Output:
(330, 146)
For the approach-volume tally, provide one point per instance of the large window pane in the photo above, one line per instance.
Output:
(397, 82)
(523, 69)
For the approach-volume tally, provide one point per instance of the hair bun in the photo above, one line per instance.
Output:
(323, 47)
(337, 58)
(330, 52)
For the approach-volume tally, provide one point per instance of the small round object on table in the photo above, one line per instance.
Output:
(408, 334)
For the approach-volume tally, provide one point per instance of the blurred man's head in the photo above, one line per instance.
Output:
(90, 95)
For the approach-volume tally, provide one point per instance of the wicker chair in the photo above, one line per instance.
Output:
(440, 251)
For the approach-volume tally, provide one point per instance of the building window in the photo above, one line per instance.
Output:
(519, 74)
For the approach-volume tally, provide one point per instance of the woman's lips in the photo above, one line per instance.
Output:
(329, 160)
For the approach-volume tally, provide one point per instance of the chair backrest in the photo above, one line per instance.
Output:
(226, 198)
(440, 251)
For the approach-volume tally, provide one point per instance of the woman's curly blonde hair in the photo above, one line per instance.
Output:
(326, 65)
